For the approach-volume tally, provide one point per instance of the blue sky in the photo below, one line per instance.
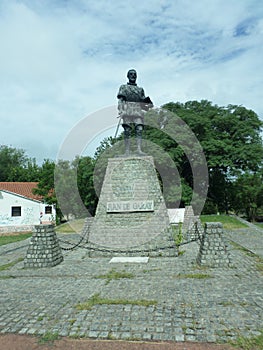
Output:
(63, 60)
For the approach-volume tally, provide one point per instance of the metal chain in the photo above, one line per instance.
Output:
(106, 250)
(76, 245)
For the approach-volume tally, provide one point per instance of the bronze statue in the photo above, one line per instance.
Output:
(132, 104)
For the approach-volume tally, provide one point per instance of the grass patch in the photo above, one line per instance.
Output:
(114, 275)
(110, 336)
(151, 270)
(229, 222)
(181, 252)
(226, 303)
(242, 249)
(198, 276)
(75, 336)
(259, 263)
(246, 251)
(201, 268)
(14, 238)
(71, 226)
(11, 264)
(253, 343)
(97, 300)
(231, 303)
(72, 321)
(259, 267)
(258, 259)
(48, 338)
(177, 233)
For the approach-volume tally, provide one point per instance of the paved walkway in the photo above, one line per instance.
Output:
(188, 303)
(251, 237)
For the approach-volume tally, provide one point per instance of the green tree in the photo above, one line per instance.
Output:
(46, 182)
(230, 137)
(30, 171)
(68, 185)
(85, 172)
(64, 176)
(12, 161)
(105, 144)
(15, 165)
(247, 194)
(56, 186)
(177, 141)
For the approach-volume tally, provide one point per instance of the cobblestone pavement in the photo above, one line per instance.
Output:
(188, 303)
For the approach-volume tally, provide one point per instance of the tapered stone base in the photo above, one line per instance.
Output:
(131, 215)
(213, 251)
(44, 249)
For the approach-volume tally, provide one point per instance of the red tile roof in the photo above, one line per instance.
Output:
(21, 188)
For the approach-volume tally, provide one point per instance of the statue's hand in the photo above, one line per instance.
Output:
(148, 101)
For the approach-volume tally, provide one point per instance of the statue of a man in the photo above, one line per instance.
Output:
(132, 104)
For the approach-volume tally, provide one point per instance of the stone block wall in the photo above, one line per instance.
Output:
(213, 251)
(44, 249)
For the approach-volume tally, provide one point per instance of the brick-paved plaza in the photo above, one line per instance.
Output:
(189, 303)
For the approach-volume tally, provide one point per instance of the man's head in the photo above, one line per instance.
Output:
(132, 76)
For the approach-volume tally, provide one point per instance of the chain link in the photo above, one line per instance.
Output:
(197, 234)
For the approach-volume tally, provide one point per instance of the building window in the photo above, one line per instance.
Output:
(48, 209)
(16, 211)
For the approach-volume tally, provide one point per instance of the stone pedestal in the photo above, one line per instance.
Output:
(131, 217)
(44, 249)
(213, 249)
(192, 227)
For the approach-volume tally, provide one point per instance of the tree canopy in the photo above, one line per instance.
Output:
(16, 166)
(231, 142)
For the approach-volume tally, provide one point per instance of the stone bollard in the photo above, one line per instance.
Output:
(44, 249)
(213, 249)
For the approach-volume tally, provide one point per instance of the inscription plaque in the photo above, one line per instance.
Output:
(129, 206)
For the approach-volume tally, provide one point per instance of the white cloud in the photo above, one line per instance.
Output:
(61, 60)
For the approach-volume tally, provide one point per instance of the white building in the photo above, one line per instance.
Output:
(20, 209)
